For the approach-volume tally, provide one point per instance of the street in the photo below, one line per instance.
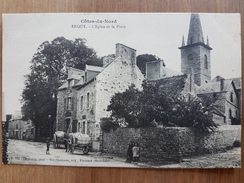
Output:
(27, 152)
(226, 159)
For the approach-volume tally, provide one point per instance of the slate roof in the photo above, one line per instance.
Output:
(169, 73)
(237, 82)
(94, 68)
(63, 86)
(214, 87)
(171, 85)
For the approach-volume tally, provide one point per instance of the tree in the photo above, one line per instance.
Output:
(152, 107)
(48, 71)
(141, 61)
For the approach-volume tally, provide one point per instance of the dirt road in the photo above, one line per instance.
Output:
(227, 159)
(26, 152)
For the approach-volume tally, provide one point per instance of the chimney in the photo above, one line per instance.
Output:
(221, 84)
(218, 78)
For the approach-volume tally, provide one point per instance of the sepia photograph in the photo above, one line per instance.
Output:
(132, 90)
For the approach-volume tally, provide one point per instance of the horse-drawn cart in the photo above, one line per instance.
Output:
(58, 138)
(79, 141)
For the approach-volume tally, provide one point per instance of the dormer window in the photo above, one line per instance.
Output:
(70, 83)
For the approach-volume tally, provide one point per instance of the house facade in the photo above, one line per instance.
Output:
(20, 129)
(83, 99)
(225, 99)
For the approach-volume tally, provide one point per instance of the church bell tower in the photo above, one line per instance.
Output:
(195, 54)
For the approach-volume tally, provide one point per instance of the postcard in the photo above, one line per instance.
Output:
(131, 90)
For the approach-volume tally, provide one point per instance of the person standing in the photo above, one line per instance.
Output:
(48, 145)
(129, 152)
(136, 153)
(66, 142)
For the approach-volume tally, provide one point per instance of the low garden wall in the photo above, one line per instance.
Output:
(170, 143)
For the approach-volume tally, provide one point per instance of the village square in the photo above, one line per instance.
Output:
(99, 113)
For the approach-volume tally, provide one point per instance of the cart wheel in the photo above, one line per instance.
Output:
(54, 142)
(72, 149)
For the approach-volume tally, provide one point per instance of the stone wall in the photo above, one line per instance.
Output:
(169, 143)
(116, 78)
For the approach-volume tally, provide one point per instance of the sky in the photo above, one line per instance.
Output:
(159, 34)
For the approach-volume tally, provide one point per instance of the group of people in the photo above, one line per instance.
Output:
(133, 152)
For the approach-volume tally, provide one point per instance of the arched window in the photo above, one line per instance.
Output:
(205, 62)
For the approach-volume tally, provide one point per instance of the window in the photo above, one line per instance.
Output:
(86, 77)
(17, 126)
(205, 62)
(69, 84)
(231, 97)
(84, 127)
(88, 100)
(81, 103)
(230, 114)
(69, 103)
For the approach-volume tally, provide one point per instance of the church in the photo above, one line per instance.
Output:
(196, 65)
(226, 92)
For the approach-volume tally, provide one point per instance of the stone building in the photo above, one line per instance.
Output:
(225, 97)
(20, 129)
(196, 66)
(84, 97)
(195, 56)
(196, 53)
(174, 82)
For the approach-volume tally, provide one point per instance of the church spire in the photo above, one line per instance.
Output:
(195, 34)
(207, 41)
(183, 41)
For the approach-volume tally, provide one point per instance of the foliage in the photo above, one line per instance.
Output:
(4, 143)
(133, 107)
(155, 106)
(237, 143)
(48, 71)
(107, 124)
(141, 61)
